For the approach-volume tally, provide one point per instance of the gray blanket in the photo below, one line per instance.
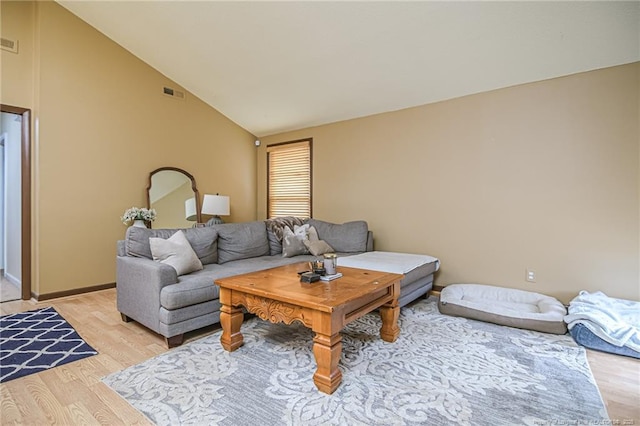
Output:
(277, 224)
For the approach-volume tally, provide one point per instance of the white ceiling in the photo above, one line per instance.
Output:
(278, 66)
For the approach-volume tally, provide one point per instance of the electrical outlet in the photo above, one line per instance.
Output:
(530, 275)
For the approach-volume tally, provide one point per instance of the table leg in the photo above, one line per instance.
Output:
(327, 351)
(389, 314)
(231, 319)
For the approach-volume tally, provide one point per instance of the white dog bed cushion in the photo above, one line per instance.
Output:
(504, 306)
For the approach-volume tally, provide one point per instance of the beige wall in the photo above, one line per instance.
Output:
(542, 176)
(17, 23)
(102, 124)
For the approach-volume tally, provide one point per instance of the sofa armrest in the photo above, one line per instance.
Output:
(369, 241)
(121, 249)
(138, 285)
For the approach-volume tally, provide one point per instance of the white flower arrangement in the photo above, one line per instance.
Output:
(137, 213)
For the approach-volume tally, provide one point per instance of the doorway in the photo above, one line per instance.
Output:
(15, 215)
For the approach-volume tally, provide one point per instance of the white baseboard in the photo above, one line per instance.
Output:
(13, 280)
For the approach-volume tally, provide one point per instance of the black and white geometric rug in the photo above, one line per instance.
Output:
(37, 340)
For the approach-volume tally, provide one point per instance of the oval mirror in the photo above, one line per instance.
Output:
(172, 192)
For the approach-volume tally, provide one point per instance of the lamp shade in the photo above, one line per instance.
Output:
(190, 209)
(217, 205)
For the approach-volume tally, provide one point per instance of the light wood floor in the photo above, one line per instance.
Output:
(73, 394)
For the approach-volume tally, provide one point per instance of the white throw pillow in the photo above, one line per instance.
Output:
(297, 242)
(292, 244)
(301, 231)
(177, 252)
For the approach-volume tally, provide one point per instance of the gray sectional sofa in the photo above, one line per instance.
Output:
(153, 294)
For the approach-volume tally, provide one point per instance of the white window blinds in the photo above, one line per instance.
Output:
(289, 179)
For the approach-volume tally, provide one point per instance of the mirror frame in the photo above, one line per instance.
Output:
(193, 187)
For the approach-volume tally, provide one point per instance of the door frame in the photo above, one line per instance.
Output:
(25, 171)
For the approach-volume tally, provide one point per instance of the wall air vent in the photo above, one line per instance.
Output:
(176, 94)
(10, 45)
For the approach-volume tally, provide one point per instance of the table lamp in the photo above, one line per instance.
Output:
(215, 205)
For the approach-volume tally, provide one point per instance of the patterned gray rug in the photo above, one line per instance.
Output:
(441, 370)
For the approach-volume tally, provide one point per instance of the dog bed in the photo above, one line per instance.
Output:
(607, 324)
(585, 337)
(504, 306)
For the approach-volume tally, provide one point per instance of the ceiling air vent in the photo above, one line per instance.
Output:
(176, 94)
(10, 45)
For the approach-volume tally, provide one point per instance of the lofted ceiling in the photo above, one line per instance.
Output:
(278, 66)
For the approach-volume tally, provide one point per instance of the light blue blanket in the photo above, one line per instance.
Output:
(616, 321)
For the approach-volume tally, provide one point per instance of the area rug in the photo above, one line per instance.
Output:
(441, 370)
(37, 340)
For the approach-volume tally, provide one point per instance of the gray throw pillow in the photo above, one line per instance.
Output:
(349, 237)
(176, 252)
(317, 248)
(204, 241)
(241, 240)
(314, 244)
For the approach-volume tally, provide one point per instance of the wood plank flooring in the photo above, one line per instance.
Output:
(73, 394)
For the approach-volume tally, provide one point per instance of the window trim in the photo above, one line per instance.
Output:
(275, 146)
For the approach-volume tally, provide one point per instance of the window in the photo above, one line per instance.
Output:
(289, 179)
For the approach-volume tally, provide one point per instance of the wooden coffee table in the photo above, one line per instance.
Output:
(277, 295)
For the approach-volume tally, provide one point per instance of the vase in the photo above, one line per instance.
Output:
(139, 223)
